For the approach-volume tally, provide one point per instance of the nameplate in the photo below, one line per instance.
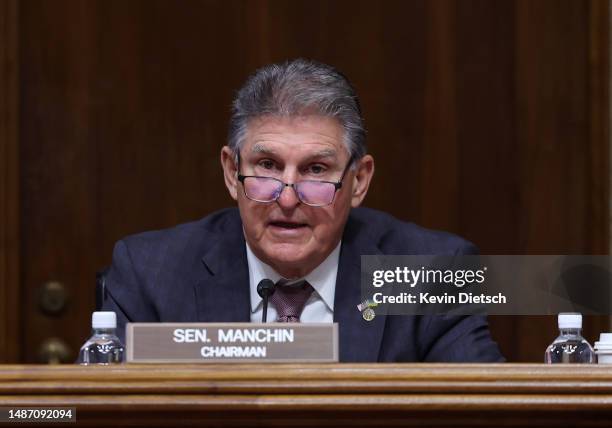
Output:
(231, 342)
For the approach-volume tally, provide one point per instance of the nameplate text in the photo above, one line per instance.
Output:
(231, 342)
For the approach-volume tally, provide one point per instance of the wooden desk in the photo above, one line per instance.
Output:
(318, 394)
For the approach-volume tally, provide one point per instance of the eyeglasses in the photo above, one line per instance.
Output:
(314, 193)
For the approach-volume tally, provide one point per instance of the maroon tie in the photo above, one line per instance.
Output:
(289, 299)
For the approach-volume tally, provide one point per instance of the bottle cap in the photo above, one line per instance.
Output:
(569, 320)
(104, 320)
(604, 343)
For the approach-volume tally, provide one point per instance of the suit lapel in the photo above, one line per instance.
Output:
(222, 292)
(359, 339)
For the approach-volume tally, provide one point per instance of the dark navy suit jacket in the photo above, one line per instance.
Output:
(198, 272)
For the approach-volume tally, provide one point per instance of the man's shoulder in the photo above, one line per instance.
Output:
(205, 230)
(394, 236)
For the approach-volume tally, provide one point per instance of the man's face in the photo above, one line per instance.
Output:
(287, 234)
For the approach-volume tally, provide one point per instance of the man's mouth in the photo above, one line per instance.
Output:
(287, 225)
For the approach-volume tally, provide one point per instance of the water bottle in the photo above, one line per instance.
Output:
(103, 347)
(570, 346)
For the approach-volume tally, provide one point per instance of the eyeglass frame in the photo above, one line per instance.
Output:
(337, 184)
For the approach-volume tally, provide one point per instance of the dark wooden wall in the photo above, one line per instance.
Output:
(486, 118)
(9, 183)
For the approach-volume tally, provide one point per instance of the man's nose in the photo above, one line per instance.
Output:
(288, 197)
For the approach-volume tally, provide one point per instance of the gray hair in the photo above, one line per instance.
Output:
(294, 88)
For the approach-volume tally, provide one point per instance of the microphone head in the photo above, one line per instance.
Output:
(265, 288)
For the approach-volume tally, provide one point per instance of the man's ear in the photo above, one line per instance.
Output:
(230, 171)
(361, 180)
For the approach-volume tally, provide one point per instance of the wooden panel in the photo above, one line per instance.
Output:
(600, 45)
(121, 133)
(58, 166)
(563, 182)
(600, 143)
(9, 184)
(318, 394)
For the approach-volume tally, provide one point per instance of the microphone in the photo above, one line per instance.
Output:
(265, 289)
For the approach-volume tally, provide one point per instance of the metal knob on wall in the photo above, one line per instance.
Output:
(52, 298)
(54, 351)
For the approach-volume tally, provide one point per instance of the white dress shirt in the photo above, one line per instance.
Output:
(319, 306)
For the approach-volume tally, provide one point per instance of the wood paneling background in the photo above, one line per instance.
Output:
(9, 183)
(487, 119)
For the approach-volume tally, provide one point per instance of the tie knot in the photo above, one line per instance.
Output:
(289, 299)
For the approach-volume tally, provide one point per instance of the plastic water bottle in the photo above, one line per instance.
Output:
(103, 347)
(603, 348)
(570, 346)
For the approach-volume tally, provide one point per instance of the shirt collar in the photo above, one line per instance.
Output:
(322, 278)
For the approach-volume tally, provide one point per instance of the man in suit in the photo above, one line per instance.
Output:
(296, 164)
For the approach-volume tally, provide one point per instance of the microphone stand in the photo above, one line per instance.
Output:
(265, 289)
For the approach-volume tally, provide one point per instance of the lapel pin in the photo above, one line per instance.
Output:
(367, 309)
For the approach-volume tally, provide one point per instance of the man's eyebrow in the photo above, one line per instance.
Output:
(325, 153)
(261, 148)
(321, 154)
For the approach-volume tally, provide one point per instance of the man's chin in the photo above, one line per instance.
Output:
(287, 253)
(286, 256)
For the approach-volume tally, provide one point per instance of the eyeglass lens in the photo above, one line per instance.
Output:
(266, 189)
